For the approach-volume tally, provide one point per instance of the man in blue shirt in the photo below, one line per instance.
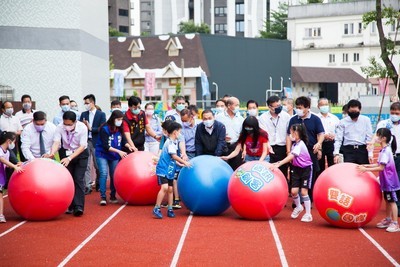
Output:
(189, 127)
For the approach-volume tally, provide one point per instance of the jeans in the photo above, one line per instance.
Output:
(106, 165)
(252, 158)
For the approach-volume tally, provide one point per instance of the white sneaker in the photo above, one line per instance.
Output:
(393, 227)
(103, 202)
(2, 218)
(306, 218)
(296, 212)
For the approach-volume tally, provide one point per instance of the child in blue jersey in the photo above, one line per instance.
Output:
(301, 171)
(166, 167)
(388, 178)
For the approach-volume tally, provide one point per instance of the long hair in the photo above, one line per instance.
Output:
(4, 136)
(116, 114)
(300, 128)
(385, 132)
(251, 122)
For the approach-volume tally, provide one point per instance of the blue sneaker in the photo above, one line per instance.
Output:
(171, 213)
(157, 213)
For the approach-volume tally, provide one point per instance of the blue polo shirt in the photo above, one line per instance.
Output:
(313, 125)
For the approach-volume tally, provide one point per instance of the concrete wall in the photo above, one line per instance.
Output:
(51, 48)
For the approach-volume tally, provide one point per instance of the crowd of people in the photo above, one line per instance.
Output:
(288, 135)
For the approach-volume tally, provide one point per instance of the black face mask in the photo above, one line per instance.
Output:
(278, 110)
(354, 114)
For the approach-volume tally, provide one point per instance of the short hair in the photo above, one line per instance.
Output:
(251, 102)
(179, 97)
(3, 105)
(220, 100)
(186, 111)
(395, 106)
(166, 124)
(148, 104)
(229, 101)
(272, 99)
(134, 101)
(173, 127)
(25, 96)
(73, 101)
(354, 103)
(39, 116)
(345, 108)
(303, 101)
(207, 111)
(115, 102)
(91, 98)
(63, 97)
(193, 108)
(323, 99)
(69, 115)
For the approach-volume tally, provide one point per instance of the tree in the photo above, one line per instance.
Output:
(114, 32)
(315, 1)
(276, 28)
(190, 27)
(387, 45)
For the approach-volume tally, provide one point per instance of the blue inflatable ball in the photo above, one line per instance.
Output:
(203, 187)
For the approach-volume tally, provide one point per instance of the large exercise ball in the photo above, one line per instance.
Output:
(203, 186)
(135, 179)
(256, 192)
(345, 197)
(43, 191)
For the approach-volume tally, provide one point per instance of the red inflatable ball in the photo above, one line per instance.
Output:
(135, 179)
(257, 193)
(43, 191)
(345, 197)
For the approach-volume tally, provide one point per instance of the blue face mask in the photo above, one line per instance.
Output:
(394, 118)
(180, 107)
(324, 109)
(135, 111)
(65, 108)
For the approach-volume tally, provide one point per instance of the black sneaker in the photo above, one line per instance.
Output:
(113, 200)
(176, 205)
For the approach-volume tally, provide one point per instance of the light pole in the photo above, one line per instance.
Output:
(216, 90)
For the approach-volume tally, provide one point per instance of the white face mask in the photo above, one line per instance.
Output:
(69, 128)
(118, 123)
(149, 112)
(220, 109)
(300, 112)
(292, 138)
(208, 123)
(65, 108)
(236, 110)
(26, 106)
(9, 111)
(253, 112)
(11, 146)
(87, 107)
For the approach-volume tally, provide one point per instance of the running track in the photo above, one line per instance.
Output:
(119, 235)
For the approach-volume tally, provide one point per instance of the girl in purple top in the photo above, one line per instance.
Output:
(301, 171)
(7, 141)
(388, 178)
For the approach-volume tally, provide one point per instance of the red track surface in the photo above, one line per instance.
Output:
(133, 237)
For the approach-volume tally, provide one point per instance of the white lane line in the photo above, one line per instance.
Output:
(81, 245)
(181, 241)
(12, 228)
(278, 244)
(381, 249)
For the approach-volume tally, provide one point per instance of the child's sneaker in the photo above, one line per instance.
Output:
(296, 212)
(103, 202)
(384, 223)
(2, 218)
(157, 213)
(307, 218)
(171, 214)
(176, 205)
(113, 200)
(393, 227)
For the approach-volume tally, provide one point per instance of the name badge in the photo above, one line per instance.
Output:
(68, 152)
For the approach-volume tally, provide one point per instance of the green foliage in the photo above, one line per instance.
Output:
(276, 28)
(315, 1)
(111, 62)
(190, 27)
(374, 69)
(114, 32)
(178, 90)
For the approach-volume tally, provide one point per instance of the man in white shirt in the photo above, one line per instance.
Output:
(8, 122)
(330, 122)
(65, 105)
(74, 135)
(233, 122)
(37, 137)
(25, 116)
(275, 123)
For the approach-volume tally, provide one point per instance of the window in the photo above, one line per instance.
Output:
(331, 58)
(220, 11)
(239, 9)
(345, 57)
(348, 28)
(123, 12)
(393, 27)
(220, 27)
(240, 26)
(152, 98)
(137, 82)
(312, 32)
(356, 57)
(175, 81)
(124, 29)
(360, 28)
(373, 27)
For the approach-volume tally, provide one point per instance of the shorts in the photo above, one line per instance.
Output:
(176, 175)
(164, 180)
(391, 196)
(300, 177)
(1, 188)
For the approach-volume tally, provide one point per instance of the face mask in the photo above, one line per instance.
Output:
(253, 112)
(220, 109)
(87, 107)
(278, 110)
(26, 106)
(292, 138)
(9, 111)
(249, 129)
(11, 146)
(180, 107)
(324, 109)
(149, 112)
(74, 108)
(354, 115)
(186, 123)
(235, 110)
(69, 128)
(284, 108)
(118, 123)
(394, 118)
(299, 112)
(208, 123)
(39, 128)
(135, 111)
(65, 108)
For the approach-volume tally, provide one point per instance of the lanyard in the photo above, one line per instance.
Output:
(275, 124)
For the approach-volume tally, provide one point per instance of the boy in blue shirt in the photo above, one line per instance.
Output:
(166, 167)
